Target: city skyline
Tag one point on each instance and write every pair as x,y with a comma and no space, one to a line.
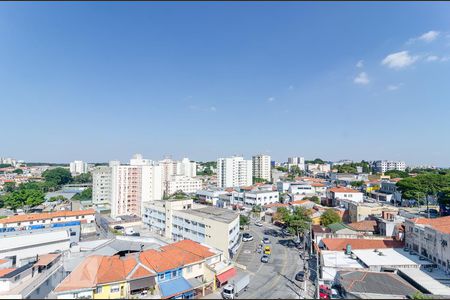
209,80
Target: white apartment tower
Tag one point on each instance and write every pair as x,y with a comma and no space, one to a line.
234,171
296,161
101,185
78,167
261,166
386,165
178,175
132,185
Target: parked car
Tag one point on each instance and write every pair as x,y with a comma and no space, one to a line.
335,294
324,291
265,258
118,227
267,250
266,240
258,223
246,237
300,276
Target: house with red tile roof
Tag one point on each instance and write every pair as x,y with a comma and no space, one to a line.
343,193
84,216
430,238
177,269
337,244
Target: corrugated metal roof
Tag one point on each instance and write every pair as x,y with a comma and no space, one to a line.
174,287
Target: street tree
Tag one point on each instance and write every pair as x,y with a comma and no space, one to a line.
330,216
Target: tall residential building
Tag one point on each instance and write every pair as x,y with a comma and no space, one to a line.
101,185
171,171
234,171
296,161
78,167
133,185
261,166
387,165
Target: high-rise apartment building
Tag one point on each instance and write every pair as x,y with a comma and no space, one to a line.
101,185
178,174
261,166
386,165
127,187
78,167
234,171
296,161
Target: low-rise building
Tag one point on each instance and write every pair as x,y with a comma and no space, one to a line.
343,193
184,269
431,239
184,219
209,196
83,216
361,284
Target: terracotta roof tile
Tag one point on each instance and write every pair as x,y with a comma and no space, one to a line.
3,272
365,225
45,216
141,272
340,244
342,189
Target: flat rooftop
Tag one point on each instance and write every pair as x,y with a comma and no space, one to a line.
214,213
390,257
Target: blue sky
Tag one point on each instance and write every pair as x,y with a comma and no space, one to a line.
101,81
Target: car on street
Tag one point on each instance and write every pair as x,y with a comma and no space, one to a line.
267,250
118,227
266,240
335,294
246,237
324,292
259,224
265,258
300,276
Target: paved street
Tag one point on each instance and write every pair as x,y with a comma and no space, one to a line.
276,279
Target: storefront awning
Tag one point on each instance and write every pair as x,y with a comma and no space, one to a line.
174,287
225,276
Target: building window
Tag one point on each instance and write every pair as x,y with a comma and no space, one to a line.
115,289
98,290
161,276
17,277
189,269
174,274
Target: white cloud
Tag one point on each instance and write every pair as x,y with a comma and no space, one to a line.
271,99
213,108
445,58
360,64
362,78
429,36
432,58
399,60
393,87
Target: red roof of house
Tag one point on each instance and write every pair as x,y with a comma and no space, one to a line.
441,224
340,244
365,225
44,216
341,189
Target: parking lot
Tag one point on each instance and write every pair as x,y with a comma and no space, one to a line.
275,279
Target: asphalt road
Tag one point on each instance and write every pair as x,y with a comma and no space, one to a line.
275,279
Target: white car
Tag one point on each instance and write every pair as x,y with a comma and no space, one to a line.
246,237
259,224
